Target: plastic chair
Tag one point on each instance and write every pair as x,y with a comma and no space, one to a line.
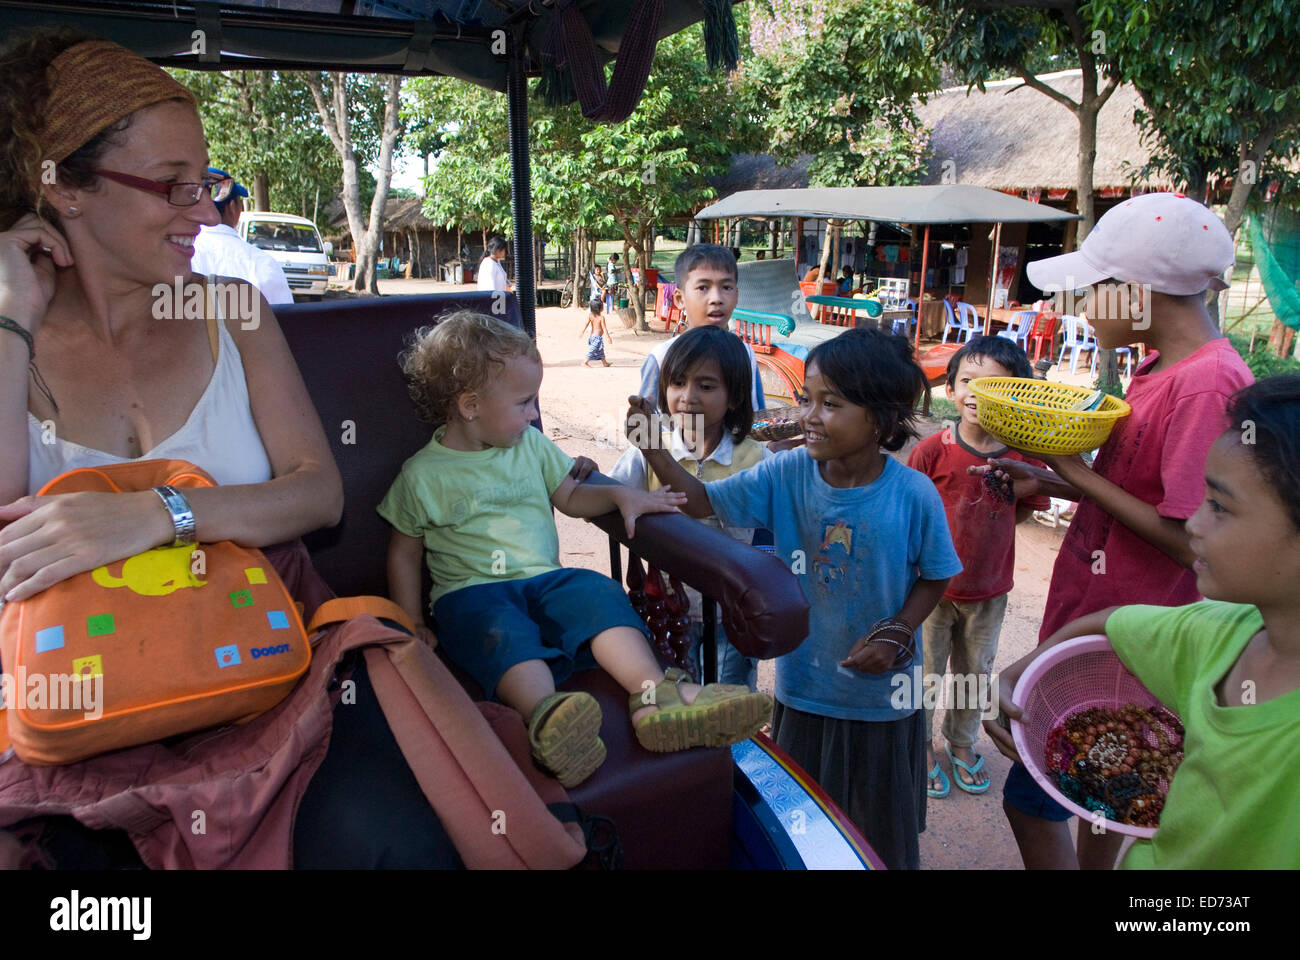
962,320
1042,335
1128,360
907,323
1018,330
1077,337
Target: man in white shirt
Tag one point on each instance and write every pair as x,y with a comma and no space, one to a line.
491,275
218,250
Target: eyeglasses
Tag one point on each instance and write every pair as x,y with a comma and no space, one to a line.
177,194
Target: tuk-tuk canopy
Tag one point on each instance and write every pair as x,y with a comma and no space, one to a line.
948,203
458,38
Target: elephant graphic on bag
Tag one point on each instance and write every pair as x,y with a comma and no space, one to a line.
154,573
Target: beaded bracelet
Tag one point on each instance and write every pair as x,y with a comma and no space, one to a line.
8,324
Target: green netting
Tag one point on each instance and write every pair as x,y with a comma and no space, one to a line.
1275,241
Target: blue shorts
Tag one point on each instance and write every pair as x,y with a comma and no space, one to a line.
1023,792
488,628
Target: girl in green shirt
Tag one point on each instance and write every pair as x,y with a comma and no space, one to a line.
1229,666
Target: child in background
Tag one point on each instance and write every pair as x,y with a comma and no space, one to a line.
704,385
867,538
706,294
982,519
846,281
475,504
1146,266
596,340
1228,666
597,281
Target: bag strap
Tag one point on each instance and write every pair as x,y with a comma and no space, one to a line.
345,608
212,321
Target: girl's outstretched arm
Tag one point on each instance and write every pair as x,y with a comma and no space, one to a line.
644,433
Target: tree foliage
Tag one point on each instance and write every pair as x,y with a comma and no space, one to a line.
262,127
1220,84
604,180
837,80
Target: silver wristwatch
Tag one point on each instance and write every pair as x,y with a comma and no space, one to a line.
182,515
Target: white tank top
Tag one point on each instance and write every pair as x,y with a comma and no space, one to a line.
219,436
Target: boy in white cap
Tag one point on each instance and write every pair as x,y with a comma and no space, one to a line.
1145,268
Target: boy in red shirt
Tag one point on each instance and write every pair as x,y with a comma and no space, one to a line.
982,516
1146,268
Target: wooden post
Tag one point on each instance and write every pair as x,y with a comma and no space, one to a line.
798,245
993,277
920,294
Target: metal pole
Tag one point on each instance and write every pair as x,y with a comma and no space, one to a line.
521,204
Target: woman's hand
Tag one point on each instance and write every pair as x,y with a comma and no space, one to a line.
46,540
30,251
425,636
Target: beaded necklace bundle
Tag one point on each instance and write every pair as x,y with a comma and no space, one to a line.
1116,762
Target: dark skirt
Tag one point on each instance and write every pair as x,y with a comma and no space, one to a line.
874,771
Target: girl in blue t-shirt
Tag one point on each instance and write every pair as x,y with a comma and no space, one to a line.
868,539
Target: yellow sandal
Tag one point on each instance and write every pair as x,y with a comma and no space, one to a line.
564,733
721,715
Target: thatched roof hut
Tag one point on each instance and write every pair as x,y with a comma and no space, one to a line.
1012,137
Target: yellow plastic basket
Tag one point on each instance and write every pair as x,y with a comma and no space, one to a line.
1037,417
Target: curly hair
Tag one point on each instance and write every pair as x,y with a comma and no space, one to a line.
458,355
24,93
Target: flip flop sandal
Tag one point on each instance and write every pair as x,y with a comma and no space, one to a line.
972,770
721,715
937,774
564,734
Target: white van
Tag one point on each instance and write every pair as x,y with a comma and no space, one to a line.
296,245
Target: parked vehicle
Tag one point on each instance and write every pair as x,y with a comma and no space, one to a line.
296,245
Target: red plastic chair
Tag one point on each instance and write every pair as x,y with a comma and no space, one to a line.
1043,334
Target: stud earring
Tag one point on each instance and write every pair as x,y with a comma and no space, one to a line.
73,212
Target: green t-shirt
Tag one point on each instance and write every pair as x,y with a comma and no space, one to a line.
485,515
1234,802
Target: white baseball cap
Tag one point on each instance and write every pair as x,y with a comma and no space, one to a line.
1166,241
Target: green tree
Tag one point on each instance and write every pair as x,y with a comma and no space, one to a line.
359,114
837,79
1220,83
461,128
984,39
588,181
262,128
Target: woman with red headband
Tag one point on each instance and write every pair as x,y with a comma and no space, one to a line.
104,184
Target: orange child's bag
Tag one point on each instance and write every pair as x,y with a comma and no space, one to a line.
168,641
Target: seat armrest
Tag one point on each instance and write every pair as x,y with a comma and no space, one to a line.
764,611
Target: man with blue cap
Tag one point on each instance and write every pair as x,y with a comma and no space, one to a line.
219,251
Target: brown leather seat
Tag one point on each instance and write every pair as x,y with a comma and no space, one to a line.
671,810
